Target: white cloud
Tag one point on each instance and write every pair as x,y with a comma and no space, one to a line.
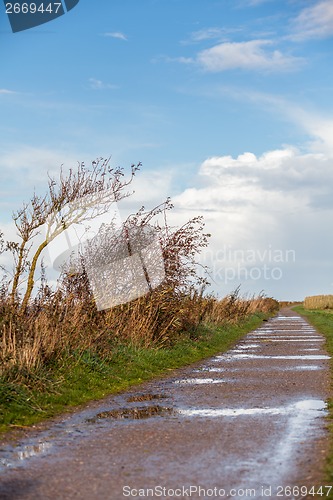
314,22
99,85
286,177
150,188
116,34
209,34
6,91
279,201
30,166
251,55
167,59
319,127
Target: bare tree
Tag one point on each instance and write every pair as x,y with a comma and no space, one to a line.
27,221
77,196
2,243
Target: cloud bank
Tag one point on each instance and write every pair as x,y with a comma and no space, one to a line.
275,207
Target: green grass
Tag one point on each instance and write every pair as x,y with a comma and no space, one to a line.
80,378
323,322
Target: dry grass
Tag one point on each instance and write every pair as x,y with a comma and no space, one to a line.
319,302
65,325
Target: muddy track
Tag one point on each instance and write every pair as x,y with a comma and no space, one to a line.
248,423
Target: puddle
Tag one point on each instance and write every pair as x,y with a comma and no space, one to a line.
291,318
294,330
137,413
311,404
288,336
25,452
210,369
247,346
145,397
284,333
228,412
289,330
271,368
301,407
301,338
236,351
297,431
278,339
215,370
303,368
200,381
301,412
257,356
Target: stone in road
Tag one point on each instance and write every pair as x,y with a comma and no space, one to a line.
247,423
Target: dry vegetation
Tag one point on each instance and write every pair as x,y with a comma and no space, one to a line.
64,326
319,302
39,330
288,303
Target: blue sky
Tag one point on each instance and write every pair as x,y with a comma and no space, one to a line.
227,103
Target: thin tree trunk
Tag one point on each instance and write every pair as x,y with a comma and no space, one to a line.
31,275
18,273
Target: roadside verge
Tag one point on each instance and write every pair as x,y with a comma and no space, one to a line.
323,322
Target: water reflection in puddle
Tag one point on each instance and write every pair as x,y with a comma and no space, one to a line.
305,406
228,412
288,336
210,369
231,357
279,339
247,346
137,413
200,381
24,452
213,369
304,368
311,404
298,335
294,318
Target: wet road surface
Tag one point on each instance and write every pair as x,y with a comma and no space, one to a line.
245,424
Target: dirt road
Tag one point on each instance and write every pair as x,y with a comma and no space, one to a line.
246,424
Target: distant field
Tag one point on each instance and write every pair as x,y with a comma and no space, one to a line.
319,302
